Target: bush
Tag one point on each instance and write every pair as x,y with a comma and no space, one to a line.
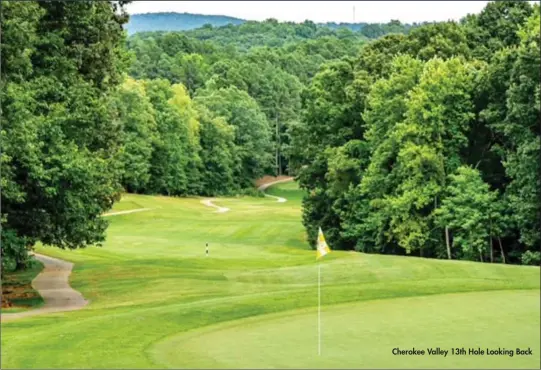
531,258
14,251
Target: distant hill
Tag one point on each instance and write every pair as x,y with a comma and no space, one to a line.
149,22
176,21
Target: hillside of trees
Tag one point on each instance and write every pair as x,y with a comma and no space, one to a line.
150,22
424,141
175,21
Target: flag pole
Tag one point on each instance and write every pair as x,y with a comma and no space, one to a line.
322,250
319,309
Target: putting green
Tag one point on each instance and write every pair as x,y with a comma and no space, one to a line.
363,335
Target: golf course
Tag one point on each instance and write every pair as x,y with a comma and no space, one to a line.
156,301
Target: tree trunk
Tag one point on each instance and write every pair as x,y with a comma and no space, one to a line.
501,249
490,243
481,255
278,165
20,265
447,242
491,250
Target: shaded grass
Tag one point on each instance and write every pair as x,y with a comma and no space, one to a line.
151,281
17,288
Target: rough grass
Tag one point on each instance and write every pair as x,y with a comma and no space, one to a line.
151,284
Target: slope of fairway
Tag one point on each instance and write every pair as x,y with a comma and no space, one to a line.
155,299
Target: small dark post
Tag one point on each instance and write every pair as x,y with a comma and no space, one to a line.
207,249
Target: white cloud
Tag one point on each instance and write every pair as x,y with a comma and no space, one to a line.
319,11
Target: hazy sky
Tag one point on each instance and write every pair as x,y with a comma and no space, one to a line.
319,11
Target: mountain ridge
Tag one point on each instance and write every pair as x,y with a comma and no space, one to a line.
174,21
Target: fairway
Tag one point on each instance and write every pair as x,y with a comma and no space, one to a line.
156,301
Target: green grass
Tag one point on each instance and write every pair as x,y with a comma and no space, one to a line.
127,204
350,330
157,301
20,282
288,190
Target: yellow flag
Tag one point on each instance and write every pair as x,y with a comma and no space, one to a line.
322,247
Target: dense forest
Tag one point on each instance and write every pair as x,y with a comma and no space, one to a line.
429,144
422,141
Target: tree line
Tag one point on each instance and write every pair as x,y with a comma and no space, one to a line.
428,143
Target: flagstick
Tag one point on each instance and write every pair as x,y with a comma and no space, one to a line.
319,310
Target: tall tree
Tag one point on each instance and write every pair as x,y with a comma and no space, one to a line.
522,131
252,130
59,163
137,117
386,107
217,154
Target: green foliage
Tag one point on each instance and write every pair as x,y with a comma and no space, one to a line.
331,117
531,258
252,132
386,107
136,115
273,72
417,108
175,162
443,40
217,154
468,209
496,27
60,167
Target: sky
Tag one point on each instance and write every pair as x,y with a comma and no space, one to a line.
319,11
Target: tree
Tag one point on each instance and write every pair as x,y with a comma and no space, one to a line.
59,161
522,130
175,162
511,113
496,27
217,154
386,107
191,70
468,209
443,40
252,131
136,115
424,147
332,116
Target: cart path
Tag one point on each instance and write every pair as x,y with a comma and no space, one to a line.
125,212
208,203
265,186
53,285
